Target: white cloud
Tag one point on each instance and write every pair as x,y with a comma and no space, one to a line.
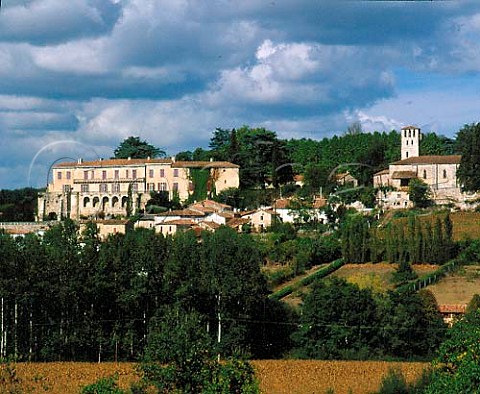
77,57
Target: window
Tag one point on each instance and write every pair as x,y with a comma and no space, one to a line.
175,186
444,174
92,176
413,132
150,173
424,174
59,175
135,187
85,175
162,173
104,175
103,187
116,188
117,174
66,188
127,174
134,174
162,186
406,154
69,174
151,187
84,188
175,172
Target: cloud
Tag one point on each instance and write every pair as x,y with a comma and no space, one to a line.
304,78
97,71
42,22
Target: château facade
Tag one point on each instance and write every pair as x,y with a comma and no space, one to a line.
438,172
86,189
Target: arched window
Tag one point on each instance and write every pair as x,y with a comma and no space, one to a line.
424,174
96,201
444,174
124,201
114,202
86,202
105,202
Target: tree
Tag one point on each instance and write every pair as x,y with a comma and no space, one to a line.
468,145
456,369
181,358
419,193
474,304
410,328
135,148
338,321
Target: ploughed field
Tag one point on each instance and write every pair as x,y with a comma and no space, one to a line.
275,376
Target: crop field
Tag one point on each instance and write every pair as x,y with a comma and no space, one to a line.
458,287
275,376
376,276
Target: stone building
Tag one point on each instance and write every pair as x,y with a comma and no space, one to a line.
438,172
86,189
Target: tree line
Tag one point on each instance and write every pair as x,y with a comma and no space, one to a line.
71,296
402,241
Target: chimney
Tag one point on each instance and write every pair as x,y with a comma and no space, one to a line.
80,160
173,159
211,159
101,158
148,158
129,158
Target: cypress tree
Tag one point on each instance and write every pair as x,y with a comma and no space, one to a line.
438,252
427,244
419,243
448,225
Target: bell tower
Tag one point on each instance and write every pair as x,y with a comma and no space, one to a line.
410,142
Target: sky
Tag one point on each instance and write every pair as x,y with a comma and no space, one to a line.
79,76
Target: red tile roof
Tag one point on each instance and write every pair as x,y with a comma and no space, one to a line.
113,162
383,172
236,222
137,162
450,159
178,222
453,308
182,212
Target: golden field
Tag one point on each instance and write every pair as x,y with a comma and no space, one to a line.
275,376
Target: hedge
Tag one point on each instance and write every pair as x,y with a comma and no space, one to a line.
321,273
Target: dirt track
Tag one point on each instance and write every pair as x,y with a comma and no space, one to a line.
275,376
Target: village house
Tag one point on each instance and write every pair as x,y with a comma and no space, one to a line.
109,227
439,173
452,312
119,187
260,219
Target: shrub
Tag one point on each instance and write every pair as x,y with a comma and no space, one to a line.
394,383
106,385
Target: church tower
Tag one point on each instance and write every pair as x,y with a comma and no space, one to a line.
410,142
